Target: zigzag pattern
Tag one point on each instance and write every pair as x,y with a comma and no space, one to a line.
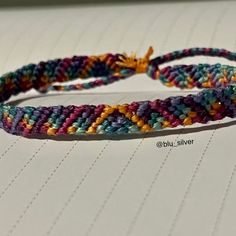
216,101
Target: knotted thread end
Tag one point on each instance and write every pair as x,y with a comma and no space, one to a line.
138,64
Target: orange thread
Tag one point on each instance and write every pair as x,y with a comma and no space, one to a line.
139,64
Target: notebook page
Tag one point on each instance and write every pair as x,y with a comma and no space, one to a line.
136,186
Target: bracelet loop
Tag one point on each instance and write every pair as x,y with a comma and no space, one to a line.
216,101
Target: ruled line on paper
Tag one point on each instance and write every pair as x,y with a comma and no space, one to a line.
77,187
202,156
50,176
108,25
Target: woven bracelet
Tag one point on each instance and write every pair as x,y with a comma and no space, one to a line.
216,101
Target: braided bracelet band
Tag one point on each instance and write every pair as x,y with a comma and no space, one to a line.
216,101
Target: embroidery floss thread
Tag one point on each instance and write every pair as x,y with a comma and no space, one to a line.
216,101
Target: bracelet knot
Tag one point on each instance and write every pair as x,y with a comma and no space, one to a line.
140,65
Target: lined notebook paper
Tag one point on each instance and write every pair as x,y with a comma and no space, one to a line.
110,187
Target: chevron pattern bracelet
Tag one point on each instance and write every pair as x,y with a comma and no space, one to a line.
216,101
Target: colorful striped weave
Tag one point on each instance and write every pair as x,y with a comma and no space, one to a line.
216,101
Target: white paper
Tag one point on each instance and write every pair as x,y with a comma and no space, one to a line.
118,187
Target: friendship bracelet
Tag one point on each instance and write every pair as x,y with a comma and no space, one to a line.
216,101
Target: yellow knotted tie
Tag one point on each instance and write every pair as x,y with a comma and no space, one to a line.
139,64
